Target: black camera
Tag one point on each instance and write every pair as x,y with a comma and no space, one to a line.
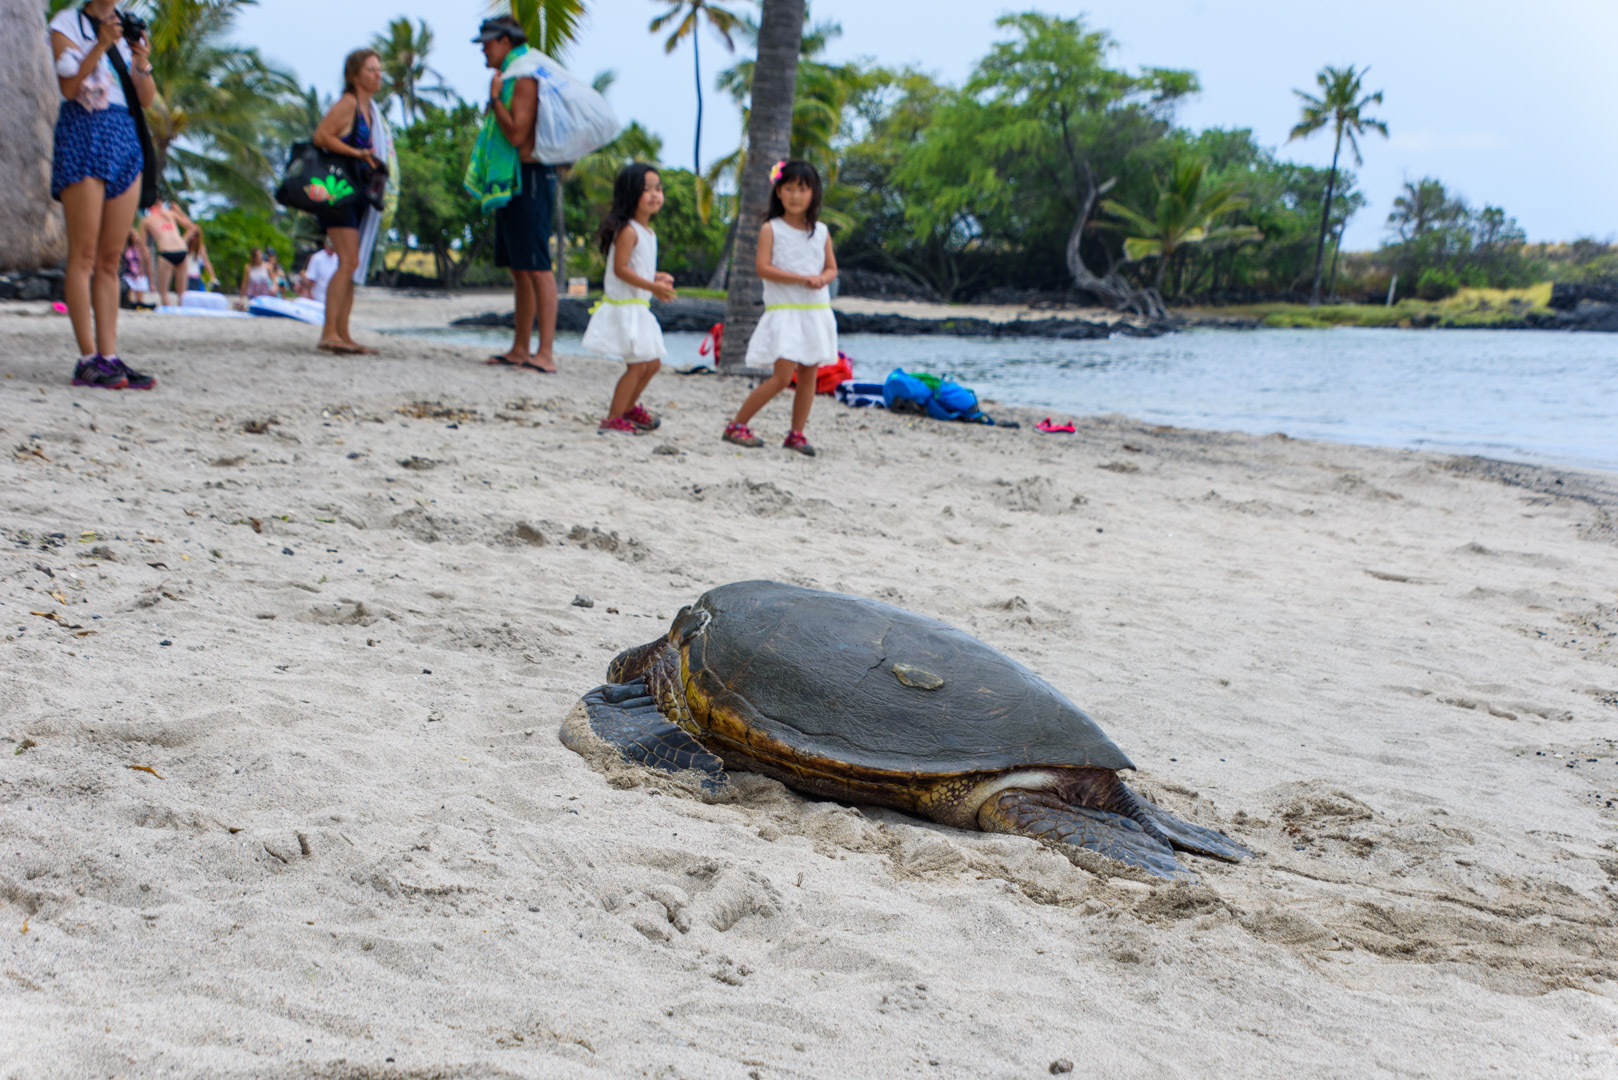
135,27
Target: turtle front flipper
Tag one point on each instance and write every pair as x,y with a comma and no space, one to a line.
626,715
1045,816
1193,838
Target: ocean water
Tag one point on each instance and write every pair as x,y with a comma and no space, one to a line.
1535,396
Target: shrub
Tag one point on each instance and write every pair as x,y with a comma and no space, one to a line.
1437,283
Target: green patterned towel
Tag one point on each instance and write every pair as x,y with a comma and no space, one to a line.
494,175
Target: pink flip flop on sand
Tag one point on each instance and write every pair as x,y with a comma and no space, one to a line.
1049,428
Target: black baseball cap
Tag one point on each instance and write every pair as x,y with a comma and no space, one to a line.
501,26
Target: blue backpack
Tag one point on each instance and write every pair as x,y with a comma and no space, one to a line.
903,392
952,401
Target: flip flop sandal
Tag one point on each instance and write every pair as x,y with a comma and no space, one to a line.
1049,428
536,367
501,361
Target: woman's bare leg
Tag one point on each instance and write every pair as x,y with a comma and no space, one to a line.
766,390
82,206
116,216
340,294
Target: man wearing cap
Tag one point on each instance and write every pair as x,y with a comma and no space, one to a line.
523,220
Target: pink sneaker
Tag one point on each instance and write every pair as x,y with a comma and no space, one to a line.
622,424
741,435
642,419
797,440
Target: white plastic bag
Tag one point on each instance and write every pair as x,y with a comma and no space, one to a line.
573,119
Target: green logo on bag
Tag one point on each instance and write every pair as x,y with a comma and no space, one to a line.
329,189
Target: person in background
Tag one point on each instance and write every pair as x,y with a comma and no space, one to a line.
198,264
169,230
353,128
318,273
506,176
256,280
137,271
278,273
96,167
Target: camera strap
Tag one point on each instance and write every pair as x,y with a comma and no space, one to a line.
143,133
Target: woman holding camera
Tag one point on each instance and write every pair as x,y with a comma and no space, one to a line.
95,174
353,128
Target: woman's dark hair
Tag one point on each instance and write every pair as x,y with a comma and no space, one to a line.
627,189
805,174
353,65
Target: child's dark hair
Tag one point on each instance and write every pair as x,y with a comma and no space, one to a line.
805,174
627,189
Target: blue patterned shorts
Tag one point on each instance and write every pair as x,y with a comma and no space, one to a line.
100,144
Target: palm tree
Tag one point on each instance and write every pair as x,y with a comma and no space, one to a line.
216,100
403,51
1184,214
552,25
690,14
31,231
769,134
1339,105
820,96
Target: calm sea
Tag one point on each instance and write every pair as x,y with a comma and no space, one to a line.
1535,396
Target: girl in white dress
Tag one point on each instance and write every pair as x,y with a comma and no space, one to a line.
798,332
622,324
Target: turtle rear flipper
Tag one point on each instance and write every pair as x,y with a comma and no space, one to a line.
1045,816
626,715
1193,838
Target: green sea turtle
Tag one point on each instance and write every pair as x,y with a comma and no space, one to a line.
863,702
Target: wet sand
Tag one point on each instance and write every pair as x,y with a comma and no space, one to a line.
281,793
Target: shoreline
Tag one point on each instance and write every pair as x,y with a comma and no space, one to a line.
297,804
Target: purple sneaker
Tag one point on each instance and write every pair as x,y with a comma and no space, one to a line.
99,372
137,381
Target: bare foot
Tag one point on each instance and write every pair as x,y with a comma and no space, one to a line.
356,347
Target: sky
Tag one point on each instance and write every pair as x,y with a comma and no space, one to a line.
1507,103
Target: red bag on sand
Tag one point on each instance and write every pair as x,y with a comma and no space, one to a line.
829,375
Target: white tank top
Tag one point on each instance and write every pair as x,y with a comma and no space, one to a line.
797,252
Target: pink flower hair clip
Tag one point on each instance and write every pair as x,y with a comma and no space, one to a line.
775,173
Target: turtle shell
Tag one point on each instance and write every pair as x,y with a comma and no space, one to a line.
852,680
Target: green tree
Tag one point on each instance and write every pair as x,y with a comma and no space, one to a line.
1340,105
552,25
687,17
1017,161
403,51
769,134
1284,200
1439,244
435,209
1183,214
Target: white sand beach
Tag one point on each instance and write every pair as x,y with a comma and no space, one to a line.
281,793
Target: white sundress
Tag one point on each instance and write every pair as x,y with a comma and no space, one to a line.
622,324
798,323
